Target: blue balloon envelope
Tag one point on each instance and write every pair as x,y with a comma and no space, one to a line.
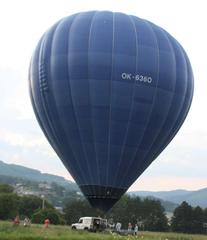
109,91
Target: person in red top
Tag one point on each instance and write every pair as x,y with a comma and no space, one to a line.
46,223
16,221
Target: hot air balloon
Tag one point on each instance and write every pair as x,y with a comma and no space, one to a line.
110,91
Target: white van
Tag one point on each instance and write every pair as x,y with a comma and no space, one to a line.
90,223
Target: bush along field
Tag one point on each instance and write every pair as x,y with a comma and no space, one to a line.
57,232
148,213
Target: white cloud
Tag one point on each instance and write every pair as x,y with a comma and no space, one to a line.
31,142
166,183
22,140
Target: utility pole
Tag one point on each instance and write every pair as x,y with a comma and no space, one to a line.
43,201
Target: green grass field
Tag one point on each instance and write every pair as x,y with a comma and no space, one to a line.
38,232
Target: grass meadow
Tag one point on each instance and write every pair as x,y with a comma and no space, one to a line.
38,232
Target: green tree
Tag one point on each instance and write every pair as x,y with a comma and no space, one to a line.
205,220
153,216
9,205
29,204
182,218
5,188
149,212
205,215
198,220
51,214
128,209
79,208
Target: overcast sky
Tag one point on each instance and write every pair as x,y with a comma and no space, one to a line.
184,162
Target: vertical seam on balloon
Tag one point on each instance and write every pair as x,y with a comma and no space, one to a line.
91,112
33,102
191,79
32,97
167,112
35,108
186,97
109,131
62,128
180,110
74,111
154,97
81,177
43,100
132,97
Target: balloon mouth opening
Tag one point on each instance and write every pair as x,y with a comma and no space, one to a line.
102,197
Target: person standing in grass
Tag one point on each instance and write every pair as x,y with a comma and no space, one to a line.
135,229
129,227
118,227
46,223
16,221
26,222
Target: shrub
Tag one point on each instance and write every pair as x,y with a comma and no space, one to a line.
51,214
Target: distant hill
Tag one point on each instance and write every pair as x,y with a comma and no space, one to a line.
194,198
17,171
166,195
12,173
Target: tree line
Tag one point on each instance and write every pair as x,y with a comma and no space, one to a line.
12,205
147,213
187,219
